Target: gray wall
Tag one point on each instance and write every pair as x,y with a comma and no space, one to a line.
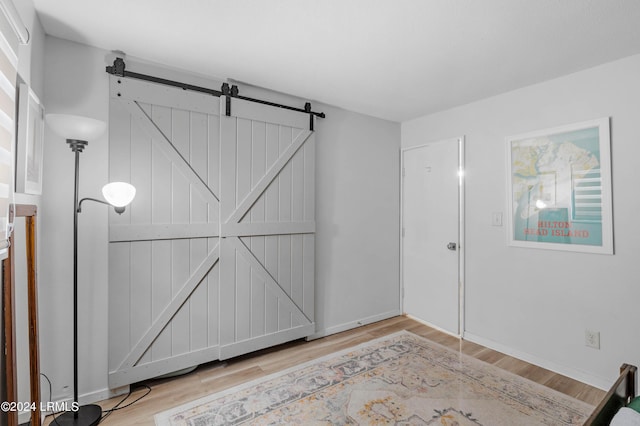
358,199
536,304
357,266
75,83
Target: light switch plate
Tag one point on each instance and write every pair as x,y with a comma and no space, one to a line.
496,218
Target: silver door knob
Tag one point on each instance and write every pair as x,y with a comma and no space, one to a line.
451,246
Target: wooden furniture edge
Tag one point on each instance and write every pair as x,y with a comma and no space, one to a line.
627,380
29,212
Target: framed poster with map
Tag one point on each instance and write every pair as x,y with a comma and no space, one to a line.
559,188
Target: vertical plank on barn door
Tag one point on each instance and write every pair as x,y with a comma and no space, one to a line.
213,181
161,168
257,215
180,252
164,249
271,199
198,147
140,212
119,253
264,288
284,241
243,188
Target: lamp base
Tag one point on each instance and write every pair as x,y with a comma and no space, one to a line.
88,415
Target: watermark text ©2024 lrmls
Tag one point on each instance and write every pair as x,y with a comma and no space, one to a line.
50,406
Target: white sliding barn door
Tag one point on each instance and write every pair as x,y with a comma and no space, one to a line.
215,256
164,250
267,228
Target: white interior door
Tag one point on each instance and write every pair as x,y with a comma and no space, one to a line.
431,240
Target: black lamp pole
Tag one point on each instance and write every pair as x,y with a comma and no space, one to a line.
86,415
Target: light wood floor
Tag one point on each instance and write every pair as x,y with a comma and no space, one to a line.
216,376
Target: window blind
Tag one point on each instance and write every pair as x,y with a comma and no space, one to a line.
8,76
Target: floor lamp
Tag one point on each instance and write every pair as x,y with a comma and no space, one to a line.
78,131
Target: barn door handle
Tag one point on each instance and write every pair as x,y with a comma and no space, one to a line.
451,246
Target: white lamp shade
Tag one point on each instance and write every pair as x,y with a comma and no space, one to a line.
119,194
75,126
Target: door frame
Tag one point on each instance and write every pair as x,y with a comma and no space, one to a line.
461,229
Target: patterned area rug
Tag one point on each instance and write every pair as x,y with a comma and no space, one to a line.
401,379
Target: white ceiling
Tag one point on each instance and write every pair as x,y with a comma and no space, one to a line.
394,59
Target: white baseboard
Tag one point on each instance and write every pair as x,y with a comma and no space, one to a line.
354,324
573,373
428,324
100,395
92,397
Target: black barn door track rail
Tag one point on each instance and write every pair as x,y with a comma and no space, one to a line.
118,69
